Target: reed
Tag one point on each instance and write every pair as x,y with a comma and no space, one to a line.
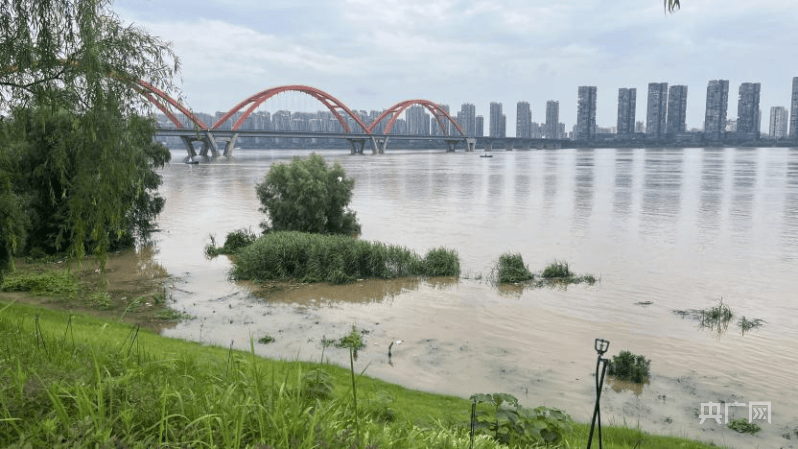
511,269
335,259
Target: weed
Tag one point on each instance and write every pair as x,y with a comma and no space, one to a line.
266,339
353,340
515,425
50,283
511,269
335,259
101,301
746,324
743,426
558,269
628,366
317,384
172,315
234,241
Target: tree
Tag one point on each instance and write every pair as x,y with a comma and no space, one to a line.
671,5
308,196
72,125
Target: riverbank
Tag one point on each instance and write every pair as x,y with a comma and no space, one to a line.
76,381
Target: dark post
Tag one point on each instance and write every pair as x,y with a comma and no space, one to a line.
601,347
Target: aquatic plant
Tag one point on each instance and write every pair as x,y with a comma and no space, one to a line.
266,339
235,240
742,425
335,259
746,324
510,268
557,269
50,283
628,366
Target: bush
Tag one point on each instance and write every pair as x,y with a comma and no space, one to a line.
511,269
628,366
308,196
517,426
60,284
233,242
557,269
336,259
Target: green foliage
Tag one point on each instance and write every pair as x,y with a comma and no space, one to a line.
441,262
353,340
317,384
628,366
517,426
266,339
51,283
308,196
233,242
746,324
335,259
79,156
511,269
557,269
743,426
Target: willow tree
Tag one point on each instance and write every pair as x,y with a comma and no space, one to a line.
71,125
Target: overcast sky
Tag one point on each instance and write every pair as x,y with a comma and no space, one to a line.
371,54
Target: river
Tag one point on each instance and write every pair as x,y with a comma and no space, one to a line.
664,229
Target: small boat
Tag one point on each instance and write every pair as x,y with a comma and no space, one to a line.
191,161
486,155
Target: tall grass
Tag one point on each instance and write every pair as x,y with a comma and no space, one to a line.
336,259
557,269
511,269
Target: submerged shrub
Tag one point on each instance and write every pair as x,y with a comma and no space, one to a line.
511,268
557,269
335,259
441,262
234,241
628,366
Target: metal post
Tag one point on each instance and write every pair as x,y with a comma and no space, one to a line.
601,347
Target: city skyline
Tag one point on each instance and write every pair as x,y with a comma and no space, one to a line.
372,55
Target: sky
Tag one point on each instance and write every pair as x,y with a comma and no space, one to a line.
372,54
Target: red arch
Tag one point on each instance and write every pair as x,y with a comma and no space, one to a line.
332,103
439,113
150,92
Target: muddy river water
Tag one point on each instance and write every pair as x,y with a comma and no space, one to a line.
663,229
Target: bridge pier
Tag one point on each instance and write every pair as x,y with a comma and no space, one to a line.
357,145
489,145
451,145
508,145
379,144
229,144
187,142
470,144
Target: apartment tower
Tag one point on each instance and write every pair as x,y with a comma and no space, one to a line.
677,110
552,120
656,117
748,108
717,104
586,113
626,110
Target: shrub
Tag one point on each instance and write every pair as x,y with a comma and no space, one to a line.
441,262
743,426
510,268
317,384
517,426
628,366
557,269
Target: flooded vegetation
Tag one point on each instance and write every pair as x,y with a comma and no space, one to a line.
663,230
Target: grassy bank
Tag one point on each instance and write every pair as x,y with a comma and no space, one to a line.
78,381
336,259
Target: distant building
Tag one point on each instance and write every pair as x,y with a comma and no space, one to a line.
523,120
417,121
495,119
503,126
794,110
717,104
656,117
586,113
748,109
552,119
479,126
469,123
677,110
626,110
778,122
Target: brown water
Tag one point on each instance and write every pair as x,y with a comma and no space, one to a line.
681,228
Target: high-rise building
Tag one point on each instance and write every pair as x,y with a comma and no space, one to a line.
748,108
523,120
778,122
626,110
495,119
656,117
417,121
469,114
503,126
717,104
552,119
677,110
794,109
586,113
479,126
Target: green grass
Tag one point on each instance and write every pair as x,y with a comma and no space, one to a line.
510,268
235,240
60,284
557,269
77,381
742,425
335,259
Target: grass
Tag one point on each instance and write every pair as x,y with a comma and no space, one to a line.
510,269
79,381
335,259
234,241
742,425
60,284
718,317
557,270
628,366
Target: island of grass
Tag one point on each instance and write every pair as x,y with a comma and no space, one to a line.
337,259
103,384
510,269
